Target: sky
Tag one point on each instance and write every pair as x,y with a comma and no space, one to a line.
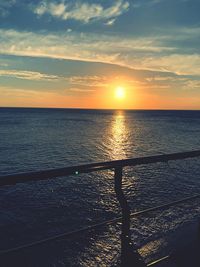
76,53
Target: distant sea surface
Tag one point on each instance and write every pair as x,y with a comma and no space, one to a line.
40,139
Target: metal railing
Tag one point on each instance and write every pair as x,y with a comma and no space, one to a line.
129,256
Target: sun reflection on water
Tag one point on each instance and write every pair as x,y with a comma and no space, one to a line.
118,136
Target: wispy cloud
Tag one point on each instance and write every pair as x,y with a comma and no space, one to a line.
157,53
81,11
89,81
28,75
149,3
81,90
191,85
181,64
102,48
110,22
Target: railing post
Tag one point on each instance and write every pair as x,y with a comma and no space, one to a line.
129,255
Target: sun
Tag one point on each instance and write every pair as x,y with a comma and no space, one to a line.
120,92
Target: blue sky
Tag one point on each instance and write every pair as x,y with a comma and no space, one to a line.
71,51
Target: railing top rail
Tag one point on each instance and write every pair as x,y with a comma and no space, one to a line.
87,168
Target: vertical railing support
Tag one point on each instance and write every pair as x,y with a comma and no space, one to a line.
129,255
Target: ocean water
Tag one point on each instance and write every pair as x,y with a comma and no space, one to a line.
37,139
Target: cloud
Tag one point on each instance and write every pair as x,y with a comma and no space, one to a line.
110,22
3,64
149,3
82,11
28,75
150,81
80,90
181,64
157,53
91,81
94,47
191,85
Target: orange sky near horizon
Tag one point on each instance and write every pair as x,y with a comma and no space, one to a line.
136,98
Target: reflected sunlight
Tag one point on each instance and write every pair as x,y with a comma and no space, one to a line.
118,136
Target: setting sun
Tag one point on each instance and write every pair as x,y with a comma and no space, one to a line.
120,92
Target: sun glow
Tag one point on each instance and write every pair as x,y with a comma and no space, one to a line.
120,92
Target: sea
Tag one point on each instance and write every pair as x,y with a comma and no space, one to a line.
35,139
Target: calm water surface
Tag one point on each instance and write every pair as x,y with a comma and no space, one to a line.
36,139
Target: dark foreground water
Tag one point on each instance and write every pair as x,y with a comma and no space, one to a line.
36,139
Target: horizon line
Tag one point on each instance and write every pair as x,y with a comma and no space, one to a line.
111,109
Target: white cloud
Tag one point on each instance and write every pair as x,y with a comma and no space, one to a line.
82,11
181,64
138,53
51,8
49,45
27,75
110,22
